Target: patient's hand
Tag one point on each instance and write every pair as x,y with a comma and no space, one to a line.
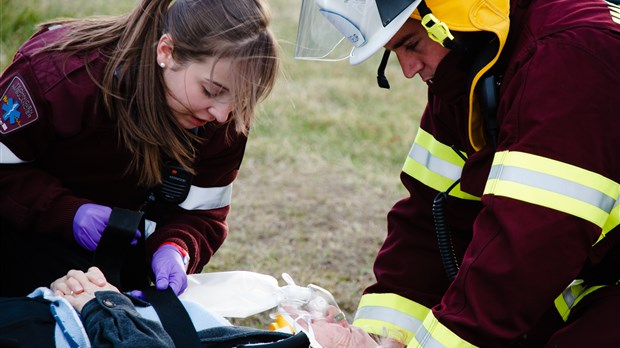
78,287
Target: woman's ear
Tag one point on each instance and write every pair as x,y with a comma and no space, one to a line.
164,51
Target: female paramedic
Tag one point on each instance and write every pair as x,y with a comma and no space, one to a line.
101,113
510,234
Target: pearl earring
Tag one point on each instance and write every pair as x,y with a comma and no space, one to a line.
162,64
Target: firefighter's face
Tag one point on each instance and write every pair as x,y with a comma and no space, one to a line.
416,52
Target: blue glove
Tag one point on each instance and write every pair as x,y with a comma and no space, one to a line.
89,222
169,269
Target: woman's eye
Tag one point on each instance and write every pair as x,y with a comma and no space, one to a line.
208,93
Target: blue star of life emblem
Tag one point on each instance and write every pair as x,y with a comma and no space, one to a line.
10,111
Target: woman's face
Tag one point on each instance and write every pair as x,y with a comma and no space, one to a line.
197,92
416,52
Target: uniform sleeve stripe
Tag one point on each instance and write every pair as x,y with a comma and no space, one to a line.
8,157
434,334
390,315
612,221
553,184
385,320
205,198
435,165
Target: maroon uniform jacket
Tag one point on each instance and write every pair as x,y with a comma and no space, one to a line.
61,150
519,248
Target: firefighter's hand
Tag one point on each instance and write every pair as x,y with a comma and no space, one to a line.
169,269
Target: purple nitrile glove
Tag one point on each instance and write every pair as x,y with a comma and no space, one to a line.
89,222
169,269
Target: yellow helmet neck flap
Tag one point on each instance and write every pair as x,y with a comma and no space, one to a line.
474,16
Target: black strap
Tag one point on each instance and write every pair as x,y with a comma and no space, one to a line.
382,81
116,241
173,317
111,256
300,340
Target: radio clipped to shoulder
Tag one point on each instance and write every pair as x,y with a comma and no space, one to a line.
175,186
176,182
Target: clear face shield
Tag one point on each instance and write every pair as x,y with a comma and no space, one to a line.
331,30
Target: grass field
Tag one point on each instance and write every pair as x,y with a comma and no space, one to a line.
322,165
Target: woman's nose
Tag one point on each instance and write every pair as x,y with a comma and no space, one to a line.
219,112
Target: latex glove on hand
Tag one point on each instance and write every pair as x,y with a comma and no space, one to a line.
169,269
89,222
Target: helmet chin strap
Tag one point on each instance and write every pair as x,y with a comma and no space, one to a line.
381,79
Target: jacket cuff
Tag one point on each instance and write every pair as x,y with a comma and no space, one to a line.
109,301
60,215
432,333
390,315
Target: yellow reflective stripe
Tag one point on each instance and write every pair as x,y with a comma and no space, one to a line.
433,334
435,165
553,184
390,315
569,298
612,222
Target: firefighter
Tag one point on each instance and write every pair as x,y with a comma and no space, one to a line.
509,236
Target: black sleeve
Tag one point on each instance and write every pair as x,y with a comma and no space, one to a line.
111,320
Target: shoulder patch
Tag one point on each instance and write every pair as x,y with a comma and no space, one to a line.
18,109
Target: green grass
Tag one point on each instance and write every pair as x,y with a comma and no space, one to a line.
322,165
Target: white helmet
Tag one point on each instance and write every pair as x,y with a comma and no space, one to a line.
367,24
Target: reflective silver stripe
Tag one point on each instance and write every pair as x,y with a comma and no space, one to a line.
434,163
569,297
614,11
426,340
8,157
204,198
554,184
389,315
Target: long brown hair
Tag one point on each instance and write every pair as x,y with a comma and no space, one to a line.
133,88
